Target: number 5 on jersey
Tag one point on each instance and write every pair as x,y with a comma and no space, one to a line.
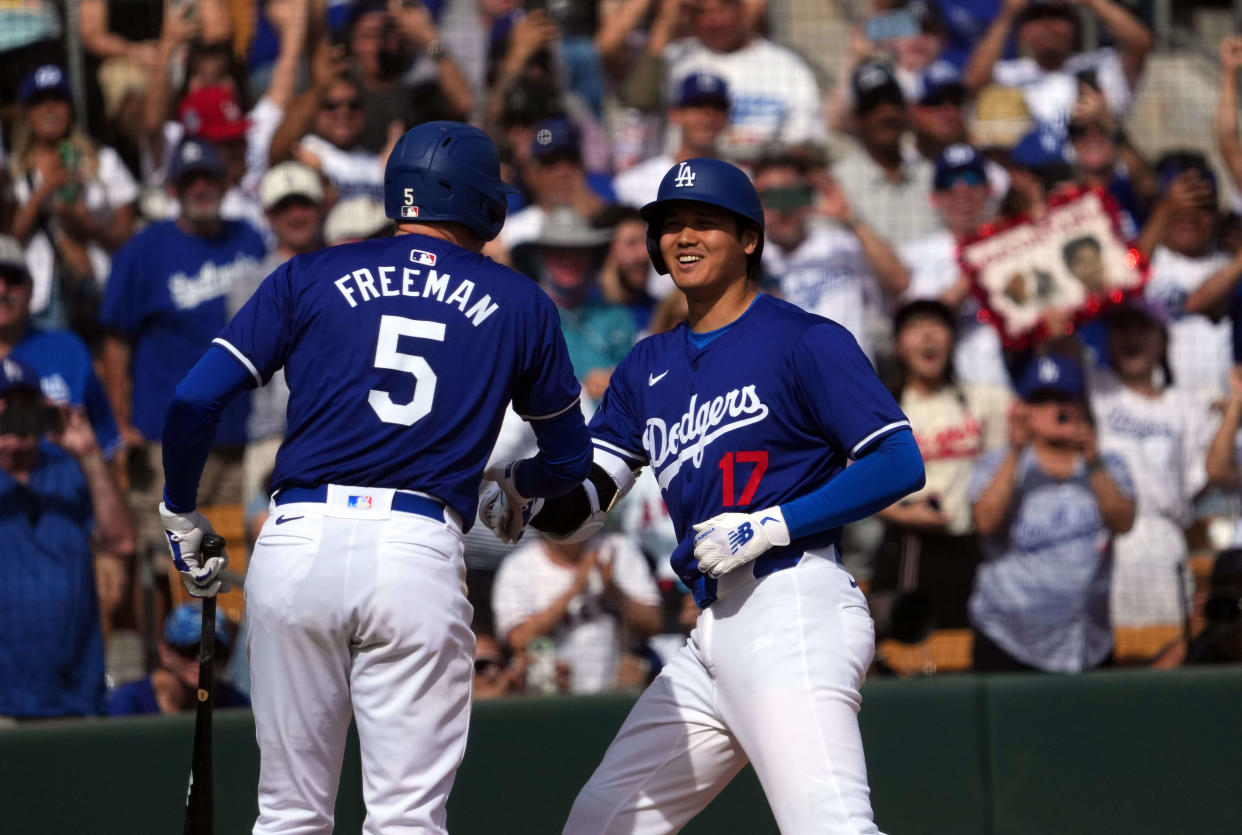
392,328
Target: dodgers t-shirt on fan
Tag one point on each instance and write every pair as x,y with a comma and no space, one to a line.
401,356
767,412
168,292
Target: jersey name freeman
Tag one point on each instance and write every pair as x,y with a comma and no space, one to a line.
363,285
702,423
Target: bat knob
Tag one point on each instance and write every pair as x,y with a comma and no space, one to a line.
212,545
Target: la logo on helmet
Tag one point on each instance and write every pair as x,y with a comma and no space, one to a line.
685,176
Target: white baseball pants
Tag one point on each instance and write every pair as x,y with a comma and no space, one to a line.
770,674
363,613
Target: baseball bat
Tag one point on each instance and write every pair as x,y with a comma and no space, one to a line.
200,809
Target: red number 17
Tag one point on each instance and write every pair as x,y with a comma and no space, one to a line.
759,458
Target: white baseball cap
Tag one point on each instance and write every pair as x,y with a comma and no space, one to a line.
288,179
12,255
355,218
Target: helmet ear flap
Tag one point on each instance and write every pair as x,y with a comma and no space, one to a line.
657,258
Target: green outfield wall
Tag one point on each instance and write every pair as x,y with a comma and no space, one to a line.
1114,752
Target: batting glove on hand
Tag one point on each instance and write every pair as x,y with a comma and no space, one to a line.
729,540
504,510
185,532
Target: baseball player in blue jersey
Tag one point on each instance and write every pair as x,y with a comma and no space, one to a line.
401,357
748,417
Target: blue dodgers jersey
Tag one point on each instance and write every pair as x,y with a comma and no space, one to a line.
68,376
168,292
402,356
765,413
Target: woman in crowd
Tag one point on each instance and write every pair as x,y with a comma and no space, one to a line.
1046,508
75,201
1161,433
929,543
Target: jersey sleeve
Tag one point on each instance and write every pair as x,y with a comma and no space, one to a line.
260,334
616,429
841,390
547,387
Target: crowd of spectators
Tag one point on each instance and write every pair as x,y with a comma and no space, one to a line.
207,142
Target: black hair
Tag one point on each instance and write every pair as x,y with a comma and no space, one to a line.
1071,249
778,159
898,376
235,68
615,214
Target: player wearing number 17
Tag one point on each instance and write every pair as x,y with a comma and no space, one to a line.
747,416
401,357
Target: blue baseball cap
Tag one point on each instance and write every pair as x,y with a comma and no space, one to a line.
1053,373
48,78
182,628
556,135
194,155
959,162
703,89
939,81
17,374
1040,147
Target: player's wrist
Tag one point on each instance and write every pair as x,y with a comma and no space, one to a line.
772,522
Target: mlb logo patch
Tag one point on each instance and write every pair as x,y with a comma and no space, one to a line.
409,211
359,502
420,256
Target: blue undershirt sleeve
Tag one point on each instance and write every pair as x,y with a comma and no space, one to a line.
564,458
190,426
892,469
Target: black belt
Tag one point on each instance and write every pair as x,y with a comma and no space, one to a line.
404,502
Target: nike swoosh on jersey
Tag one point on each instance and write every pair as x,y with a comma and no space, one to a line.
652,379
280,520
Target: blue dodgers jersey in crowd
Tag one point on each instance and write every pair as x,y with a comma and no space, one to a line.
765,413
168,291
67,376
51,645
402,356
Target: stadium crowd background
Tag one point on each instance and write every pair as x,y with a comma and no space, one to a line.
158,160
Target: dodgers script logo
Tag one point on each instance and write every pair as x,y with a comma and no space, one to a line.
702,423
685,176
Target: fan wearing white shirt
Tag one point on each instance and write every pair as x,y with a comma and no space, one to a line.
700,112
961,196
1161,434
582,595
775,98
1180,236
332,109
842,270
1048,70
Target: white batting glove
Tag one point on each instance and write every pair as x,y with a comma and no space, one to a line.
730,540
504,510
185,533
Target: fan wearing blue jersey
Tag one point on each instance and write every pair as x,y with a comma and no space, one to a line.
748,416
402,356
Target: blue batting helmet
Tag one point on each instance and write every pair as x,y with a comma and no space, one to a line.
702,180
442,171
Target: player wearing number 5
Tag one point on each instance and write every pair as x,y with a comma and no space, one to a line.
747,416
401,357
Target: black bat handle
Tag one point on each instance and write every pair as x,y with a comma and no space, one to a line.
200,798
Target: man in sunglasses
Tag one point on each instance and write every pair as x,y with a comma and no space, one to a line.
166,299
1046,509
820,254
